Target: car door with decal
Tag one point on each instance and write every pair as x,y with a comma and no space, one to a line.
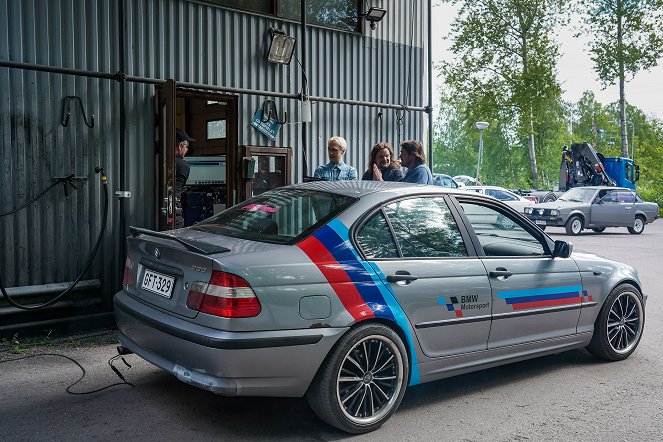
422,257
534,296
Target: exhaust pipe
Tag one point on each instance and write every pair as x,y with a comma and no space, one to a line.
122,350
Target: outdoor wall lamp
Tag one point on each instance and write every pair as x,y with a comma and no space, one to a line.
281,47
374,15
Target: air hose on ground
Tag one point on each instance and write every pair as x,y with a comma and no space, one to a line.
65,180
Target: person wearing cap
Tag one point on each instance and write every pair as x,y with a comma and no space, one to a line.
336,169
413,158
182,169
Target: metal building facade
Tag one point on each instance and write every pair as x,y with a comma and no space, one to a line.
187,41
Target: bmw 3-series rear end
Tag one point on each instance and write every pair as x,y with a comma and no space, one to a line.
230,304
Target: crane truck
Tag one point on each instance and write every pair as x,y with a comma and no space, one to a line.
582,165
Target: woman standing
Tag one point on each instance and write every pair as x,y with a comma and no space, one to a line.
383,166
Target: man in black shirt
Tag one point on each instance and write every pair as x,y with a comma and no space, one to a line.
181,173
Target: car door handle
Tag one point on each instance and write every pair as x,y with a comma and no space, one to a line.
401,277
500,272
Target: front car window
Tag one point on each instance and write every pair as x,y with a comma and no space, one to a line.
282,215
499,233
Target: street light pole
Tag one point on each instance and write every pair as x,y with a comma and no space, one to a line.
632,139
481,125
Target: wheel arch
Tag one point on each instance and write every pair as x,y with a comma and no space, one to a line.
580,215
411,345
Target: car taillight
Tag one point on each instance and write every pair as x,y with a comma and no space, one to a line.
225,295
129,274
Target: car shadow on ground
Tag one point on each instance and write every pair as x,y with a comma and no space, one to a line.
291,418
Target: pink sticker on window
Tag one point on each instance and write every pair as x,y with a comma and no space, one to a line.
261,207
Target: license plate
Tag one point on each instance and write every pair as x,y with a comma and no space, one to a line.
158,283
540,222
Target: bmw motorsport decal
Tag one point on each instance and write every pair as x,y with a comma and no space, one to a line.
357,284
545,297
457,304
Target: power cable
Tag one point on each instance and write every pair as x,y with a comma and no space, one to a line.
68,390
104,182
67,180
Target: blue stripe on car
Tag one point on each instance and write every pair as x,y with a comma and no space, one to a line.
380,295
522,299
539,292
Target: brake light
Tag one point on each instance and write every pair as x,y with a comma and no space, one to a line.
225,295
129,274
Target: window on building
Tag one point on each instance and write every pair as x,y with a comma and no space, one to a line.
337,14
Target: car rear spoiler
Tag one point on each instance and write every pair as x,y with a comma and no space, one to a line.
194,246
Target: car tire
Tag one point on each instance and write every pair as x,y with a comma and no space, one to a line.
549,197
638,226
618,327
598,229
339,390
574,225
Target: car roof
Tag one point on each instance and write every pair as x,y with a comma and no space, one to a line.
360,188
602,187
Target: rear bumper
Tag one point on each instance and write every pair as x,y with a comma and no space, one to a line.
266,363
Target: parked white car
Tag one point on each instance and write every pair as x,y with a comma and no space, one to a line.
517,202
511,199
467,180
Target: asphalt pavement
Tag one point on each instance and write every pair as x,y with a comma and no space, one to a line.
571,396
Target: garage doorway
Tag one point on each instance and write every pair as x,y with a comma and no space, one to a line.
211,119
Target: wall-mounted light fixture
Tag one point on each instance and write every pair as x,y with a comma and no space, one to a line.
281,47
374,15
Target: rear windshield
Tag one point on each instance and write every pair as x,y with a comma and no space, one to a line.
283,215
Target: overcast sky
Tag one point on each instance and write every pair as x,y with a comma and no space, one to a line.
575,71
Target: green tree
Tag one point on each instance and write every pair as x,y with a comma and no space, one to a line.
626,37
505,60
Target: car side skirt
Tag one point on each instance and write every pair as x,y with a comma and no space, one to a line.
448,366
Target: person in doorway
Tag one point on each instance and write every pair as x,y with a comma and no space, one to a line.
336,169
383,165
182,169
414,159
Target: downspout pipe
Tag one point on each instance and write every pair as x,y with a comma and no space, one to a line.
304,93
123,134
429,109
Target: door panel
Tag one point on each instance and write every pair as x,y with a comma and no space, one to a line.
444,292
533,295
541,299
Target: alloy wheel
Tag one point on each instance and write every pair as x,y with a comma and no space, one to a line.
370,379
625,321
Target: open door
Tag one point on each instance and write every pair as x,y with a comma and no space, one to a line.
165,157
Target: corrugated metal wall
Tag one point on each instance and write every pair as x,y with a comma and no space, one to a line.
187,41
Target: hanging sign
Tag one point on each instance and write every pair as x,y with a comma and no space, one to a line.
270,127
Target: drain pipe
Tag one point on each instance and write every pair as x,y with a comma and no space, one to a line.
123,135
430,84
305,103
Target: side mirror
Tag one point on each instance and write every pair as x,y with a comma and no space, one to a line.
562,249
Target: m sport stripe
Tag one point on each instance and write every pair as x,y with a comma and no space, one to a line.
544,297
357,284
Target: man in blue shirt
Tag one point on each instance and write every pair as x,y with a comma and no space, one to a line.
336,169
414,158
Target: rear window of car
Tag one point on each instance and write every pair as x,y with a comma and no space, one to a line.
283,215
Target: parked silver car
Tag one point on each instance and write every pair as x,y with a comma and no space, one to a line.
348,292
595,208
